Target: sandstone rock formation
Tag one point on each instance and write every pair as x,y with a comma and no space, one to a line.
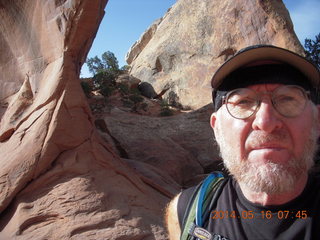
185,47
181,146
138,46
60,179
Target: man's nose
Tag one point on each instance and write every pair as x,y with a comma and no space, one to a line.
266,118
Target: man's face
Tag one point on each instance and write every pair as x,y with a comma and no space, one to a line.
267,152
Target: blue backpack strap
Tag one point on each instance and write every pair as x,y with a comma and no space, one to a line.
199,206
207,187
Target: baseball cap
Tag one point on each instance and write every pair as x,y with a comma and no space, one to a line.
259,55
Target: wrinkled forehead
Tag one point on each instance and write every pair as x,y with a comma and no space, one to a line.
265,87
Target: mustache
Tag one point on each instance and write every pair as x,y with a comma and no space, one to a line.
259,138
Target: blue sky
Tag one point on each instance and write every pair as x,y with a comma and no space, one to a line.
126,20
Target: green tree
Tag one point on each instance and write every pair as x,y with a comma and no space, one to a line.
94,64
108,62
312,49
105,71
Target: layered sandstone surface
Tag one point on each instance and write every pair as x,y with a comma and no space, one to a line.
60,178
183,49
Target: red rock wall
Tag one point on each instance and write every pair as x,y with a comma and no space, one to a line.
195,37
58,179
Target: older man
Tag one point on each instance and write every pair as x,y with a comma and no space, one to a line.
266,123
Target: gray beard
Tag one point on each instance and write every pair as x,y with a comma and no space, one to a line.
271,178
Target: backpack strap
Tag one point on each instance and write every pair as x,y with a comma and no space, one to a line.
185,201
203,199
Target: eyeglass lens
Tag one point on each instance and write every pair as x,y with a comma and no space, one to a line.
288,100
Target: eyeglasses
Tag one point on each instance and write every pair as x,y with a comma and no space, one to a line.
287,100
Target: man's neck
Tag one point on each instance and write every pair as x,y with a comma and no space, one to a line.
266,199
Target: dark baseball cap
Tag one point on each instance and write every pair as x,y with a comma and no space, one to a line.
265,54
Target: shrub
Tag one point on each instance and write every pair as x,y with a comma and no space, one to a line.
136,98
124,89
86,88
107,90
165,112
103,78
127,103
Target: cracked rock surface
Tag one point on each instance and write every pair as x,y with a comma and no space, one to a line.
58,178
184,48
62,179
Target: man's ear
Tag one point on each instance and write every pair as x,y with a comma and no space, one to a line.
213,120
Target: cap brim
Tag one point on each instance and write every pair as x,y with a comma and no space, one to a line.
266,53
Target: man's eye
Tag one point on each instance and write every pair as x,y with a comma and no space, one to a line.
245,102
285,99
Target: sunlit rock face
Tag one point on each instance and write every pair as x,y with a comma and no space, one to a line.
184,48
